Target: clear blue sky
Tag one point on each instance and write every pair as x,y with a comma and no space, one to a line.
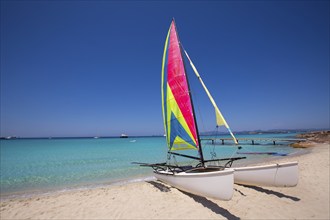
90,68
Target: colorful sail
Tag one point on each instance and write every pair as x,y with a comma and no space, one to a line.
220,120
179,122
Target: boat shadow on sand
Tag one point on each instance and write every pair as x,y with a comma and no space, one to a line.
162,187
200,199
271,192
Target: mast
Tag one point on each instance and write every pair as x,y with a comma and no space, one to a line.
192,103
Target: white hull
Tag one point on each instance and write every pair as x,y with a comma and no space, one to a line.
218,184
283,174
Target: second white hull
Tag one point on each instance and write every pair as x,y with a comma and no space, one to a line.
280,175
217,184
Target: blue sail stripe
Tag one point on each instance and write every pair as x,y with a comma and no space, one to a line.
177,130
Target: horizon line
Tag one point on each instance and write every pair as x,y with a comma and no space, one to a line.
206,133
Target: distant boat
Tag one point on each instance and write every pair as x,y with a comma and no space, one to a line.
123,136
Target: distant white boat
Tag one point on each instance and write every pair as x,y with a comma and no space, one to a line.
123,136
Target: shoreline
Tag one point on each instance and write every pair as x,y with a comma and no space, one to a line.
28,193
45,183
54,191
122,182
149,199
118,182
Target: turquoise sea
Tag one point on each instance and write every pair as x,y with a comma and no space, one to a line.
40,165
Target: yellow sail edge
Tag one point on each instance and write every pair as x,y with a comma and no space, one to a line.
220,120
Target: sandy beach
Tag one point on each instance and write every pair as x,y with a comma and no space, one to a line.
155,200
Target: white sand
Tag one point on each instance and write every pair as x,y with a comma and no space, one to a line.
154,200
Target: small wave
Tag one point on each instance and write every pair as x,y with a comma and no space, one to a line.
49,192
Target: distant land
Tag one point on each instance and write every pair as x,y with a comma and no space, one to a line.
276,131
206,133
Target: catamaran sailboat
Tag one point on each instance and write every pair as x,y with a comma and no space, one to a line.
181,132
